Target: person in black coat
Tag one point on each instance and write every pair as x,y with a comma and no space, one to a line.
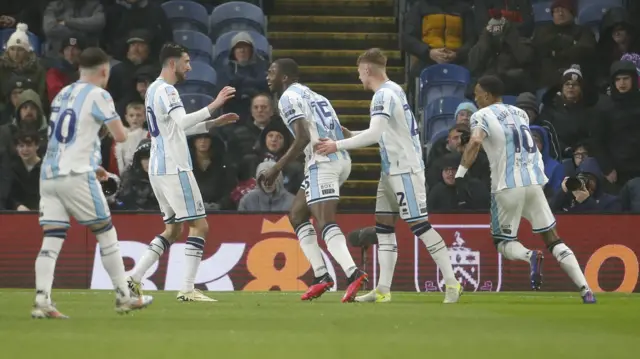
445,197
136,192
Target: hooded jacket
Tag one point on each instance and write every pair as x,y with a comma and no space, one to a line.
257,200
136,192
599,201
42,124
607,50
552,168
617,131
217,180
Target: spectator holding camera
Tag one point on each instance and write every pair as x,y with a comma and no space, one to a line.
584,193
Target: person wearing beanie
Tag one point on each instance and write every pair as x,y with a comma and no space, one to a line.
19,59
65,70
572,112
122,82
617,132
464,112
563,43
619,37
64,18
517,12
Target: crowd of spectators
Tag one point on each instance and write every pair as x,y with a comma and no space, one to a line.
131,31
579,88
578,84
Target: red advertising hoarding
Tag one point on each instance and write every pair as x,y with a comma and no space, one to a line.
260,252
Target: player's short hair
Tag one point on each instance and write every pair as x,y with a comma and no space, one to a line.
492,84
288,67
373,56
171,50
92,57
135,106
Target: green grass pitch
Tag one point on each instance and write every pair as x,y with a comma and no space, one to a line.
278,325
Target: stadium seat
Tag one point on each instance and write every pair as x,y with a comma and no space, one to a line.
439,115
33,40
201,79
223,47
199,45
442,80
440,134
542,12
236,15
195,101
509,100
606,4
591,16
187,15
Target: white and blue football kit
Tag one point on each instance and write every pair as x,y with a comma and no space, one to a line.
323,174
170,168
68,183
517,171
402,182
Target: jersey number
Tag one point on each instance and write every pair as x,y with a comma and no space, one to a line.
322,109
526,143
152,122
64,129
414,125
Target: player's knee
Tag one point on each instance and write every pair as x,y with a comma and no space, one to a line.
55,232
101,227
172,232
199,227
297,219
419,228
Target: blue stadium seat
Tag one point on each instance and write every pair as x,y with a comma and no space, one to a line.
509,100
440,134
591,14
542,12
201,79
236,15
33,40
606,4
223,47
199,45
439,115
187,15
442,80
195,101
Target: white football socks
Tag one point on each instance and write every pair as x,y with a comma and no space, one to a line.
156,248
569,263
515,251
112,259
387,258
193,256
438,250
309,243
337,246
46,263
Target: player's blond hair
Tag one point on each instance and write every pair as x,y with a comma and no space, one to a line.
374,57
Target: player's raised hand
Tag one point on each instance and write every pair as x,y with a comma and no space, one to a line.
326,146
225,95
225,119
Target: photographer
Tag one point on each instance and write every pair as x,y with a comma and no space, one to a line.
584,193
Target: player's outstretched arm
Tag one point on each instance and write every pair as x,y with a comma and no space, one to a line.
186,121
118,132
365,138
204,127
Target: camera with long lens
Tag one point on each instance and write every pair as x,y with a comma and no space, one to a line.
576,183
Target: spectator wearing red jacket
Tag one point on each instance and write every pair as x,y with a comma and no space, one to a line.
65,70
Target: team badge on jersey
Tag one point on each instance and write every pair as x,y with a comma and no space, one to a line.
173,96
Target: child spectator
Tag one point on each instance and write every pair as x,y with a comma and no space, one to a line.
126,150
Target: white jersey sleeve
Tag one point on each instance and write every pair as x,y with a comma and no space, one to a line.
103,108
292,107
381,104
170,98
479,120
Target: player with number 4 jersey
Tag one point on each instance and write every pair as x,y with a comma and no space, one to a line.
401,190
309,116
517,181
70,181
171,171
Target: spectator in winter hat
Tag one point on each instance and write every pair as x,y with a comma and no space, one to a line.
122,84
19,59
618,36
65,70
444,197
14,87
572,112
562,43
617,131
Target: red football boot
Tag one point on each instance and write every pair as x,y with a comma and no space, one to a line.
319,286
355,283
